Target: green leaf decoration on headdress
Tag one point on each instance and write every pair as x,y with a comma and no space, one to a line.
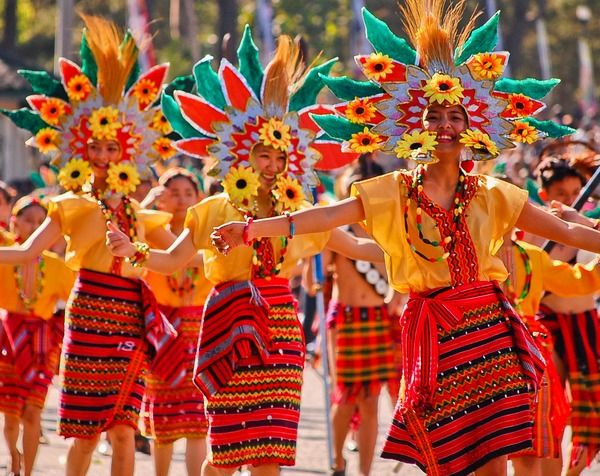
336,126
306,94
136,71
550,128
207,82
172,112
534,88
249,62
25,119
43,82
88,63
347,89
384,41
481,40
182,83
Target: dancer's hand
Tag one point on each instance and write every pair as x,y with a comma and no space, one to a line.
228,236
118,242
569,214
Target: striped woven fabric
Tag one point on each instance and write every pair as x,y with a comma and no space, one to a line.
485,378
30,348
171,412
253,419
364,357
576,340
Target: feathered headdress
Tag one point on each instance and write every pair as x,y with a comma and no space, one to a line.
106,99
237,108
445,65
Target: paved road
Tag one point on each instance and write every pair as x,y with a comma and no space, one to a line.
312,448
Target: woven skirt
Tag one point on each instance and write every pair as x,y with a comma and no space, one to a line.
254,418
104,358
174,412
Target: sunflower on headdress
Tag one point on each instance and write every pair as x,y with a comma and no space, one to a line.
276,134
123,177
104,123
443,88
75,174
360,111
289,193
161,123
46,140
415,143
52,110
145,91
486,66
377,66
523,132
365,141
241,184
479,142
79,87
520,105
164,147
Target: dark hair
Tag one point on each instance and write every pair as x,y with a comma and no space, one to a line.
555,169
179,172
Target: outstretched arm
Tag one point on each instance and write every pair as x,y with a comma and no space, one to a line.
542,223
352,247
41,239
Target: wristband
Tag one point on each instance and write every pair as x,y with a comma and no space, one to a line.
141,255
290,219
246,230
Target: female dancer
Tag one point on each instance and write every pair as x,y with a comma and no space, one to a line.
470,368
105,136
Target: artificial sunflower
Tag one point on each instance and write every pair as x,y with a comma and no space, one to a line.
486,66
377,66
415,143
145,91
79,87
443,88
365,141
520,106
241,184
523,132
479,142
289,193
276,134
360,111
52,110
164,147
161,123
46,140
123,177
104,123
75,174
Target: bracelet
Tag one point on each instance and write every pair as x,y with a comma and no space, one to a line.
246,230
141,255
290,219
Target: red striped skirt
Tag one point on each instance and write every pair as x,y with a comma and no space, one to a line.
364,357
577,342
484,376
253,419
174,412
104,355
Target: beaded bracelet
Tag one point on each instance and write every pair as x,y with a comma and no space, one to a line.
290,219
141,255
246,230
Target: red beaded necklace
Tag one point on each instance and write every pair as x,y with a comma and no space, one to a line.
183,287
29,302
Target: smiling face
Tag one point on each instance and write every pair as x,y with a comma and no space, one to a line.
101,153
268,164
448,122
180,194
28,220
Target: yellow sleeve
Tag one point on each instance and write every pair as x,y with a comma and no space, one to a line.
69,209
204,216
152,219
506,201
564,280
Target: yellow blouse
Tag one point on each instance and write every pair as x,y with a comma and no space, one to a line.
81,221
236,266
493,208
166,296
555,276
57,283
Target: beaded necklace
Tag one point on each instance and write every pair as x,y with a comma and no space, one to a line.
128,221
30,302
416,189
512,295
187,285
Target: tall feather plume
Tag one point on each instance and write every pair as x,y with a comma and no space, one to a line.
282,75
115,61
433,27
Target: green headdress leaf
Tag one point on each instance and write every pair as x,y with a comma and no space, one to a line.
249,62
336,126
207,82
481,40
347,89
44,83
306,94
533,88
25,119
88,63
550,128
171,110
384,41
181,83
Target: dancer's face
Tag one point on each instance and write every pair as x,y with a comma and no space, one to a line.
29,220
101,153
180,194
448,122
564,191
268,163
